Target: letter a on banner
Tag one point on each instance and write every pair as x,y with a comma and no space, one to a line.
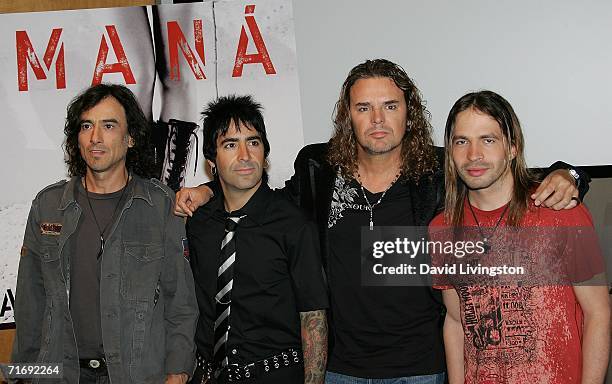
26,54
121,65
261,56
177,39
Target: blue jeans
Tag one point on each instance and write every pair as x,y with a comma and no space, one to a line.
336,378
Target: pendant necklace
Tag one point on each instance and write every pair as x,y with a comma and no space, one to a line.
102,231
485,239
371,206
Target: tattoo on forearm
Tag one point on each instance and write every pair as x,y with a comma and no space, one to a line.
314,345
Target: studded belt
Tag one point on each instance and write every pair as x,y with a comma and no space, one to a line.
236,372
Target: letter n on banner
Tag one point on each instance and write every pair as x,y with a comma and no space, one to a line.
177,39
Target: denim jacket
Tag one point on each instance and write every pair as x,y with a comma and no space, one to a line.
147,304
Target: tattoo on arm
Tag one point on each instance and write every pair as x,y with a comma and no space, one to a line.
314,345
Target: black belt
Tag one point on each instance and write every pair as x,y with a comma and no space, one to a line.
236,372
94,365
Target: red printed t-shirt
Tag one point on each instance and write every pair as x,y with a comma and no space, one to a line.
517,334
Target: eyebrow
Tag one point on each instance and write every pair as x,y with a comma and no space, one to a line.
235,140
487,136
366,103
104,121
229,140
391,102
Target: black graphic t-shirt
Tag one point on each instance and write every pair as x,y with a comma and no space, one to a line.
379,332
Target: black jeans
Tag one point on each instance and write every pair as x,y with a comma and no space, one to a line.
89,376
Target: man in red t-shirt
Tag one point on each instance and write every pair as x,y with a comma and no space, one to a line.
521,330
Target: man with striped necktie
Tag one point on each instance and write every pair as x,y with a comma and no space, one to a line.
256,263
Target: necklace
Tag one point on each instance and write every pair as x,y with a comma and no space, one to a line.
485,239
101,231
371,206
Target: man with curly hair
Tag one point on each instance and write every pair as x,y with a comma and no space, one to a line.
104,284
380,168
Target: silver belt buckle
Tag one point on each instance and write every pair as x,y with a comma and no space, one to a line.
94,363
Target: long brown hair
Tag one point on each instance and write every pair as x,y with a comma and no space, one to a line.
498,108
418,155
139,158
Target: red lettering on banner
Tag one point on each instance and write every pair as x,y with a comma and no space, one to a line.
121,65
26,54
177,39
261,56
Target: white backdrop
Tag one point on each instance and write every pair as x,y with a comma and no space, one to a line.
552,59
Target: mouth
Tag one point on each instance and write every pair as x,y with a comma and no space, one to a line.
475,172
245,171
378,134
96,152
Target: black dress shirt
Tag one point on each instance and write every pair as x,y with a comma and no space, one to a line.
277,274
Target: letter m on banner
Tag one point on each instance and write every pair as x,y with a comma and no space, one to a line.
26,54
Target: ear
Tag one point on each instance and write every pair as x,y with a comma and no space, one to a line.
130,142
211,164
512,151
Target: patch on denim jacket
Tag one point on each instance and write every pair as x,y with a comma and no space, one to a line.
185,249
53,229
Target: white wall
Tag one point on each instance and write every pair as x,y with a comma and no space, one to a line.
551,59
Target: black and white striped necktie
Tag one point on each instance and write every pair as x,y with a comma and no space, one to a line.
223,298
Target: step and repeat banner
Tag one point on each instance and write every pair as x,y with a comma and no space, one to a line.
176,58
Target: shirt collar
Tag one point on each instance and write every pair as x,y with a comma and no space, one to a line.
136,189
255,209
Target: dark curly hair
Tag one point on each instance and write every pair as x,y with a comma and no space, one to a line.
139,158
418,155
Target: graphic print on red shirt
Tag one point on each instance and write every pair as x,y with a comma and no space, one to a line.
522,333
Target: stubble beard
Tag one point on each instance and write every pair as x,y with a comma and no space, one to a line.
379,151
477,185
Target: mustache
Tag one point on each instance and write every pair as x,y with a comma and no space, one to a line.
384,128
478,164
97,148
247,164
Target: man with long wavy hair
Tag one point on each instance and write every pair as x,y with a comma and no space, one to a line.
104,287
380,168
542,326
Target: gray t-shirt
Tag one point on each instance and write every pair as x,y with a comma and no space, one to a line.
85,267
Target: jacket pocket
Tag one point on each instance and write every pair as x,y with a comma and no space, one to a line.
141,267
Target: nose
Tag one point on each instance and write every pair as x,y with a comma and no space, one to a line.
96,135
378,117
243,152
474,152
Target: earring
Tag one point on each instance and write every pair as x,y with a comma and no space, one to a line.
213,170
